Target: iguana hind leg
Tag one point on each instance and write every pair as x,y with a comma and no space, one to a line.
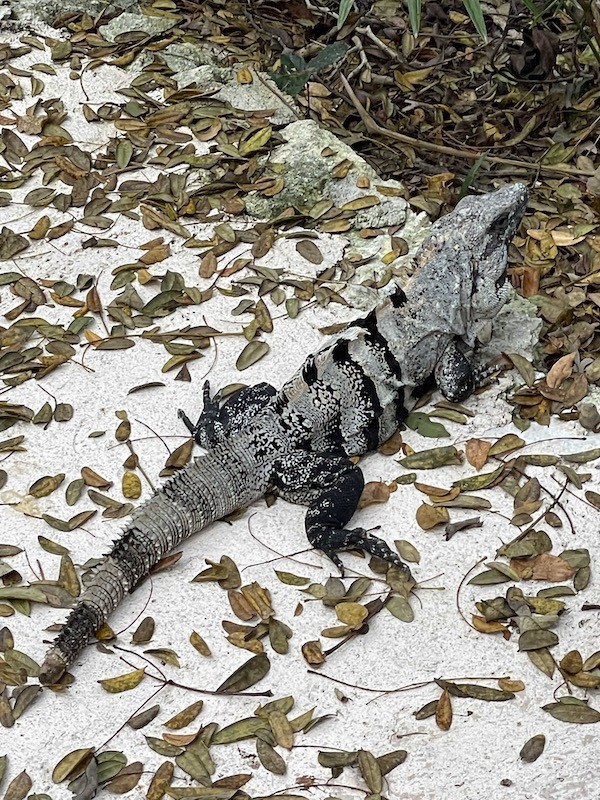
217,422
331,486
240,407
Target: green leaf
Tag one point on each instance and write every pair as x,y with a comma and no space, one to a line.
469,178
400,608
71,763
164,654
328,56
420,422
31,593
487,693
475,13
533,748
536,639
240,730
414,16
290,579
344,10
252,353
433,458
270,758
568,712
251,672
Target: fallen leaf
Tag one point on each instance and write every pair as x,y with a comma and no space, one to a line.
430,516
476,452
123,683
561,370
374,492
443,711
533,748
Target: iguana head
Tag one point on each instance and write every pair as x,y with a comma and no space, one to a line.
461,266
491,221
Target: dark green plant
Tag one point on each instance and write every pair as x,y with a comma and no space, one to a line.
294,72
472,7
582,14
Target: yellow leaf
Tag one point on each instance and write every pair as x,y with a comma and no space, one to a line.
366,201
123,683
508,685
565,238
408,80
132,486
244,75
256,141
353,614
483,626
70,763
506,444
91,336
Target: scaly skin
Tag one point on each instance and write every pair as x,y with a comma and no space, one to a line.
346,399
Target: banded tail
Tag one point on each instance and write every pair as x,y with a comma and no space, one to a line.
227,478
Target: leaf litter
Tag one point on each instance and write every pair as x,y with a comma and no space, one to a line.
558,272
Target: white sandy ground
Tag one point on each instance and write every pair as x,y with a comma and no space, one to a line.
482,747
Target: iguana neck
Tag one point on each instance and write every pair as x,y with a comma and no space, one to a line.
417,333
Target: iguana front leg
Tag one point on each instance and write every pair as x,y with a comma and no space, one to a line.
455,376
331,486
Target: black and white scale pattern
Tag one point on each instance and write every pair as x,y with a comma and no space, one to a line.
346,399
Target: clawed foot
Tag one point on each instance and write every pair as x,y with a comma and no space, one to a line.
187,421
482,373
206,430
330,541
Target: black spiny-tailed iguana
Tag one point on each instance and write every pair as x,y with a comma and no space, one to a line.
347,398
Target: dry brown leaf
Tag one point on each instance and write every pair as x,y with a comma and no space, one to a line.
508,685
561,370
476,452
429,516
544,567
374,492
443,711
313,653
483,626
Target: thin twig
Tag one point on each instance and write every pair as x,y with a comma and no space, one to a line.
139,708
460,585
168,682
471,155
277,553
139,466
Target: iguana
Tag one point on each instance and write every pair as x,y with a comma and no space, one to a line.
346,399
